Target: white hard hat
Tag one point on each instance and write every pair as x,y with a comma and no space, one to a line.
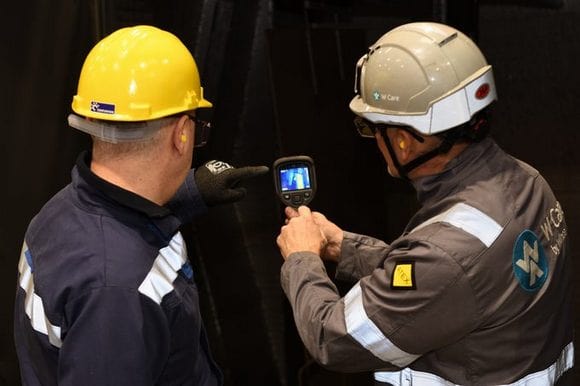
427,76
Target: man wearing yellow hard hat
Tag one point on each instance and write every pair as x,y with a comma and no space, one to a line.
476,291
106,292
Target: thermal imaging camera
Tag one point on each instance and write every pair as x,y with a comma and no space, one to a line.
295,180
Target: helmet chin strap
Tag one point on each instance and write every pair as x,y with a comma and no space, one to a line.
404,170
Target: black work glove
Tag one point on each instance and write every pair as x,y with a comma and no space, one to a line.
218,181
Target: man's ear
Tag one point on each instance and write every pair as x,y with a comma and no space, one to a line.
181,137
404,143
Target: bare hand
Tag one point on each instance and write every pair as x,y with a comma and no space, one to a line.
290,213
301,234
331,232
333,235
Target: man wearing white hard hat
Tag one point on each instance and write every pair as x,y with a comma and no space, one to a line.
476,291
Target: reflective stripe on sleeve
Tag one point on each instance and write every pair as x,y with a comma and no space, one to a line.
365,332
471,220
33,305
548,376
159,280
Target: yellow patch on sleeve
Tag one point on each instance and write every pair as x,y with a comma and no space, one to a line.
403,275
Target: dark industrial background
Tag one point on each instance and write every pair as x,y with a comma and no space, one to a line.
280,74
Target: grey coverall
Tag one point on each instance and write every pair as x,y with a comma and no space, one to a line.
476,291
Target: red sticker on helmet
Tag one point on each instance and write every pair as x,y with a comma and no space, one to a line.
482,91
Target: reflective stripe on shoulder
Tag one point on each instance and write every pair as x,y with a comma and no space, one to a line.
365,332
159,280
471,220
548,376
33,305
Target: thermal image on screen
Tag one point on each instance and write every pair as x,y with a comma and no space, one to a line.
294,178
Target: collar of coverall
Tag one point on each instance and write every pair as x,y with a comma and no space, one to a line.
460,168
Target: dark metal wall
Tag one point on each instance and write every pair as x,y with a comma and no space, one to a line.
280,74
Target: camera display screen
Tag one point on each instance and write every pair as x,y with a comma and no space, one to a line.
294,177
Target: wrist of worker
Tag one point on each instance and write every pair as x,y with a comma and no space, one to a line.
346,260
296,262
303,255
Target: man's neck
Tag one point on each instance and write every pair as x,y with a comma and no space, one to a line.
146,179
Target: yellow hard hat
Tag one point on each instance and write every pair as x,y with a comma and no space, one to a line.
138,73
427,76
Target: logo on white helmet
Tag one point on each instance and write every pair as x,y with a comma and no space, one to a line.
377,96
